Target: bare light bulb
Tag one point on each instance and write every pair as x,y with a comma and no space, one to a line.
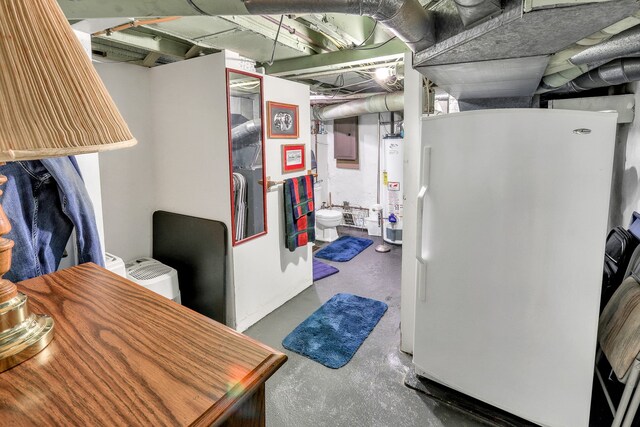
383,74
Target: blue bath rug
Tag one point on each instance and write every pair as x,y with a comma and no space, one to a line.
344,249
322,270
335,331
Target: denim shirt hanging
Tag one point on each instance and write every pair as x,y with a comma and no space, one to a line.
44,201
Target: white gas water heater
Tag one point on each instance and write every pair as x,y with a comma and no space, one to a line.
392,188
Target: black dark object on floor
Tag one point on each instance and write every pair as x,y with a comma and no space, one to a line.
475,408
618,250
197,249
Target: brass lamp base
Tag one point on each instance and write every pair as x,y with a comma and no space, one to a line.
22,333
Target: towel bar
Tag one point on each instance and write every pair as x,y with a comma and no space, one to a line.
271,183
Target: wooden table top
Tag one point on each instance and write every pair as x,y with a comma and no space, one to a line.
123,355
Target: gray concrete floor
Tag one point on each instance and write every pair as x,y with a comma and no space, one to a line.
369,390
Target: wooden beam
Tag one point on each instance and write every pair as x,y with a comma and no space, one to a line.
150,59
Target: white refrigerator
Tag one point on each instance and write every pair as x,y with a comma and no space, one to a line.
512,220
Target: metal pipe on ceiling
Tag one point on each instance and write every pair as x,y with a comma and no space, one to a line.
619,71
335,71
373,104
407,19
340,99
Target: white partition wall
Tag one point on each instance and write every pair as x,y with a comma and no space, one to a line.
179,113
266,274
128,176
190,145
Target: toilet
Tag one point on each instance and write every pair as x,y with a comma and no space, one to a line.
326,222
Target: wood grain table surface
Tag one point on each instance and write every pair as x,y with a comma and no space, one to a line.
123,355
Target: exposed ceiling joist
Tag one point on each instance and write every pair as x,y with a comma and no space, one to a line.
300,39
85,9
393,50
150,59
151,43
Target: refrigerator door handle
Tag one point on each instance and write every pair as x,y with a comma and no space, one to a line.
422,194
420,252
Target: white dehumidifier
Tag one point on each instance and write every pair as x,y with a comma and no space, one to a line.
155,276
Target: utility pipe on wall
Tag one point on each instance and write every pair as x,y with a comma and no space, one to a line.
374,104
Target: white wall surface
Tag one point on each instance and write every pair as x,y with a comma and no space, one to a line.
412,138
266,273
191,149
357,186
322,159
128,176
191,144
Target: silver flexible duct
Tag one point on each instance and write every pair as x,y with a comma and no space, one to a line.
613,73
619,46
472,11
373,104
407,19
246,133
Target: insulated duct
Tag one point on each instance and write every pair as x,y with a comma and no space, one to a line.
613,73
619,46
407,19
472,11
373,104
246,133
561,69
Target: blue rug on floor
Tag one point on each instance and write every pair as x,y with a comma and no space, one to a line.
344,249
322,270
335,331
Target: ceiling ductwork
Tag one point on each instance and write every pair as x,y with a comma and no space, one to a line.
614,73
246,133
373,104
617,41
624,44
472,11
407,19
507,55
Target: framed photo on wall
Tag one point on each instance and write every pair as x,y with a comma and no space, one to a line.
283,120
293,158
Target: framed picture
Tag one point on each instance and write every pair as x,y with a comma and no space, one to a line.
283,120
293,158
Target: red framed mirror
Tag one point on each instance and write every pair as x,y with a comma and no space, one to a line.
246,156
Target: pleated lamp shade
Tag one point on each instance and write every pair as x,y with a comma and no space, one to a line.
52,101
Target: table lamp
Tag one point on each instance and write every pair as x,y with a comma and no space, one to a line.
52,103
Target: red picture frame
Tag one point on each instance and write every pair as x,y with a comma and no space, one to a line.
282,121
293,158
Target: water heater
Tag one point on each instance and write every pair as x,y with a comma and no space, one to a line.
392,188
